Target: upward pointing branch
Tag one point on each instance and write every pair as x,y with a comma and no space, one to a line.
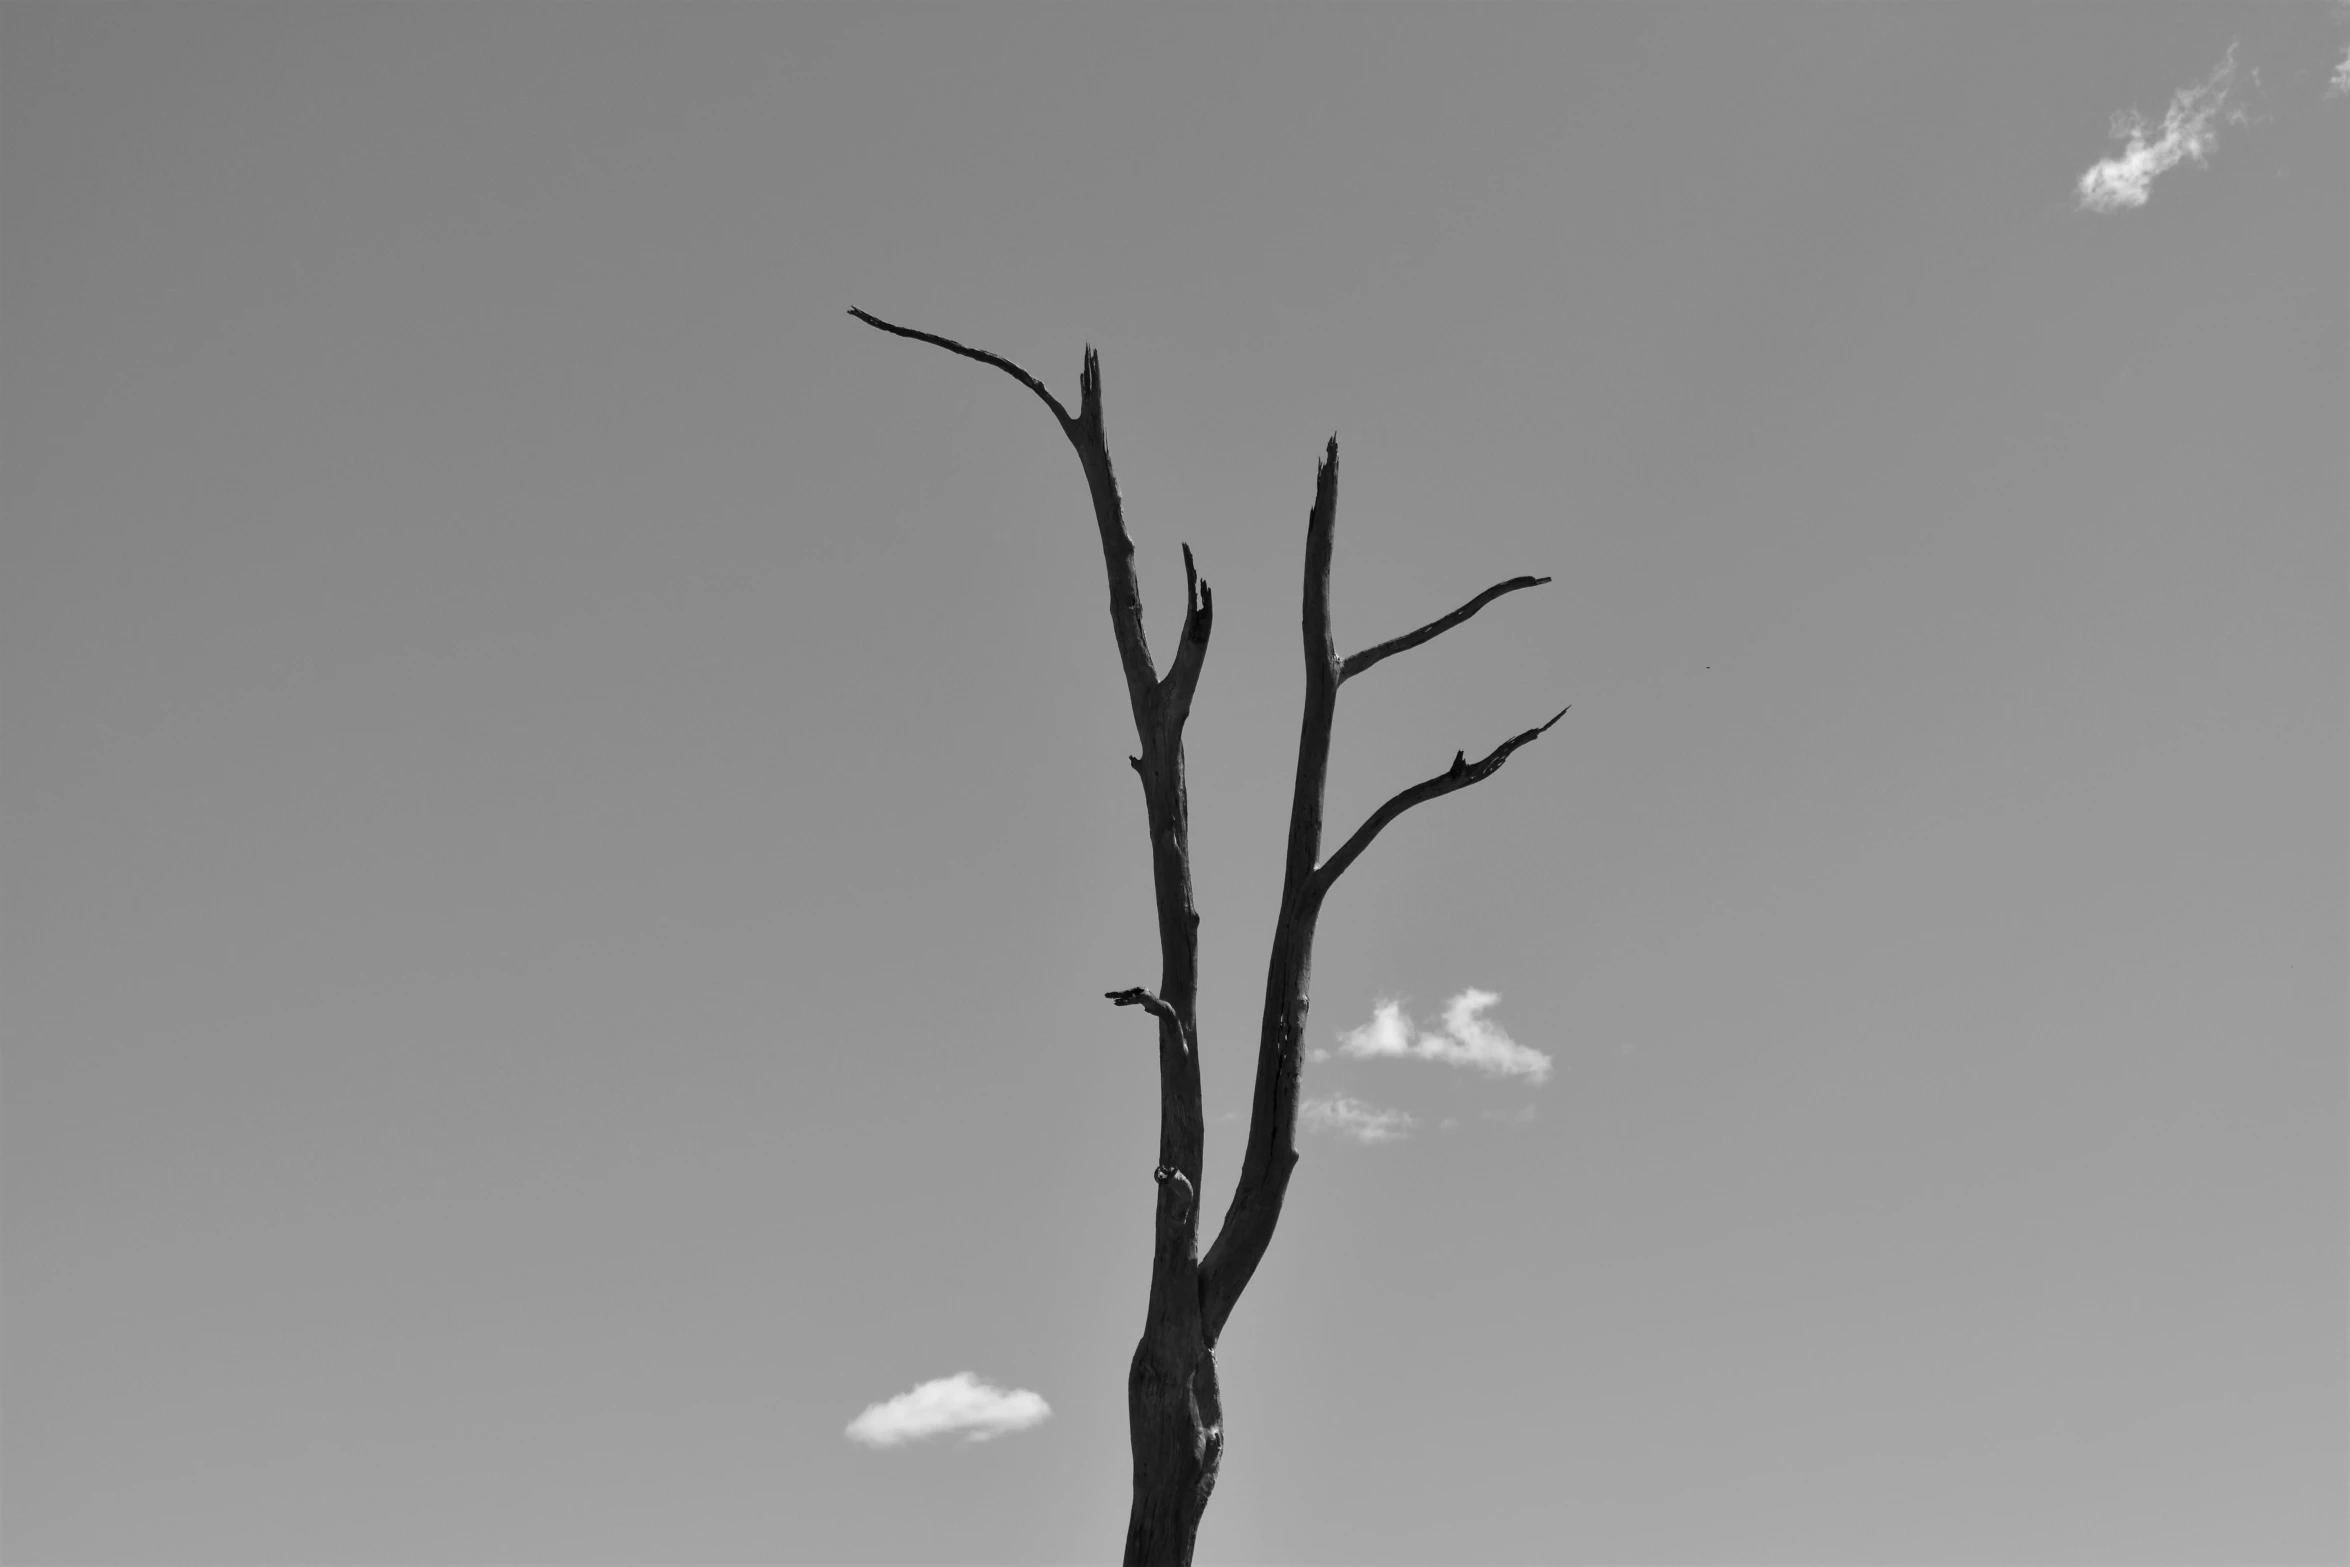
1191,648
1460,775
1356,663
1271,1151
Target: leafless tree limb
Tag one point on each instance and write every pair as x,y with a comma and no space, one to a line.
1460,775
1085,433
980,354
1270,1155
1136,996
1356,663
1191,648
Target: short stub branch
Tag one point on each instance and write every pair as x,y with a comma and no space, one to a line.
1191,650
1136,996
1199,601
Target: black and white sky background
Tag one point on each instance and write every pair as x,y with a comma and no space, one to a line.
567,824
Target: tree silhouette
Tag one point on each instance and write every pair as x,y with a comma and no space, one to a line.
1174,1411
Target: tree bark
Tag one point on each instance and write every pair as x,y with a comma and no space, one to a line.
1174,1406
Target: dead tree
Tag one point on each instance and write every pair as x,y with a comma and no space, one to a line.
1174,1414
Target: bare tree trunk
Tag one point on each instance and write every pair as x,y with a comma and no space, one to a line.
1174,1407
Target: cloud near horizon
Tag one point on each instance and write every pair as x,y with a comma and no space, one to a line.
960,1403
1348,1117
2189,130
1467,1039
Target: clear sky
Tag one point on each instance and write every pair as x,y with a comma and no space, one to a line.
567,818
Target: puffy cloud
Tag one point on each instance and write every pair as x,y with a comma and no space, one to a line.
1353,1118
2190,129
960,1403
1468,1038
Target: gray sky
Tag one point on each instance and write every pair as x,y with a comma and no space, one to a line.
567,823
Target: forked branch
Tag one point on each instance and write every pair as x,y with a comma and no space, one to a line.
1460,775
1167,1388
1356,663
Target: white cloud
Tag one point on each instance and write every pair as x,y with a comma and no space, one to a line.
1353,1118
1467,1039
960,1403
2189,130
2340,85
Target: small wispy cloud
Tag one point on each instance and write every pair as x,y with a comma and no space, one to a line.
1350,1117
2339,87
961,1404
1466,1038
2189,130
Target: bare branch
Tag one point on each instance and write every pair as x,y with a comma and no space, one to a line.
1136,996
1085,432
1322,677
1460,775
1199,602
1191,649
1356,663
1271,1151
980,354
